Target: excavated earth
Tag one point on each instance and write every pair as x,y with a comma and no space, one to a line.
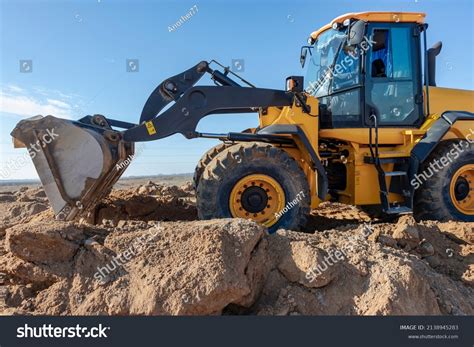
143,252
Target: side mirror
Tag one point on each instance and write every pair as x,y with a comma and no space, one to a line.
303,54
356,33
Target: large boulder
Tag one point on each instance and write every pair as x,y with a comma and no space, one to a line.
181,269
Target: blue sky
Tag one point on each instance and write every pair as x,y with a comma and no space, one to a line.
79,50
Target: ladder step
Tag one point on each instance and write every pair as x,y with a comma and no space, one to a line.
396,173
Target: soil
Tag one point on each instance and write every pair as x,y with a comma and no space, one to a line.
145,253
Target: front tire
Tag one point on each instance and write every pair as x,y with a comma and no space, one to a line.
206,159
448,193
255,181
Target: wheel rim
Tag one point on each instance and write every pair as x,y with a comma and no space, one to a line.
462,189
257,197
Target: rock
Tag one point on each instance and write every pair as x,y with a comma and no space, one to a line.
29,273
17,294
387,241
425,248
188,188
44,243
39,193
3,227
406,232
90,243
7,197
141,206
383,239
309,266
143,190
374,236
36,208
15,211
121,223
150,188
468,276
175,192
182,268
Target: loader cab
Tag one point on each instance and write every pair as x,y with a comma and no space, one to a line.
357,67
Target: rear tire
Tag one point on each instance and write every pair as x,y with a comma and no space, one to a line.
447,194
255,181
206,159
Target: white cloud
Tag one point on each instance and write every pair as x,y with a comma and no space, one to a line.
53,92
13,88
58,103
17,101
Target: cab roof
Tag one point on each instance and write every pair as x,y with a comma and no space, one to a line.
403,17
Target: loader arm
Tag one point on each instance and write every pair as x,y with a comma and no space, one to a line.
80,167
172,89
199,102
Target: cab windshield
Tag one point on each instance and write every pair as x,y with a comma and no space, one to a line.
324,53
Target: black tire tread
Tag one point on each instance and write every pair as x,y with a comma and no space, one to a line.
206,159
427,202
222,164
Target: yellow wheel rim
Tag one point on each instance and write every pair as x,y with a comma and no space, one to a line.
257,197
461,189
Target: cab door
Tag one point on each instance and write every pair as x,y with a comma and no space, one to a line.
393,89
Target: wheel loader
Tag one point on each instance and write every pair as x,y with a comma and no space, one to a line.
366,126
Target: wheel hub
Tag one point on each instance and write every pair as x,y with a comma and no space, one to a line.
257,197
462,189
254,199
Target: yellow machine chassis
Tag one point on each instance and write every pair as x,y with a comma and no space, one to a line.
362,186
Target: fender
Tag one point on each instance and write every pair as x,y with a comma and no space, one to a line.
316,163
432,138
437,132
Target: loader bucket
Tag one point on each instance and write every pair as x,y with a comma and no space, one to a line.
77,163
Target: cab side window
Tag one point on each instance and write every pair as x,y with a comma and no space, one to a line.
392,82
381,57
344,102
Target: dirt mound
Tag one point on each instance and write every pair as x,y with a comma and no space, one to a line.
19,207
145,254
149,202
169,268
